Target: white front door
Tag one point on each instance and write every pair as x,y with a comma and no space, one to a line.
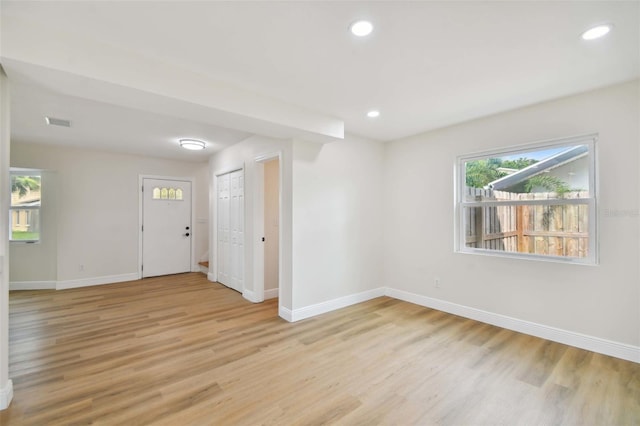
230,222
166,227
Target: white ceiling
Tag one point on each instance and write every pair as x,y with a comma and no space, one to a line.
427,65
101,125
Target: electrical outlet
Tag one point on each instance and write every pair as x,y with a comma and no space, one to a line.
436,282
81,268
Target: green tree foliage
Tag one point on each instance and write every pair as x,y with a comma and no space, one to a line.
480,172
548,182
24,184
518,164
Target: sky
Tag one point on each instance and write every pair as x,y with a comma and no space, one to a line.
539,154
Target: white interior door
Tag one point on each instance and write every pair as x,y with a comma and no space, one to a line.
166,227
230,213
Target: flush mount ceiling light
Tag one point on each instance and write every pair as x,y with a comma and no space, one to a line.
361,28
373,114
596,32
192,144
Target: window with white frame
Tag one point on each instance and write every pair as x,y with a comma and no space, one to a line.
26,200
536,201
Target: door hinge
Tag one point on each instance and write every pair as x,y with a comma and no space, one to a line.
142,267
143,189
142,228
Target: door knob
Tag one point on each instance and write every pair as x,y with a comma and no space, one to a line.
187,228
186,235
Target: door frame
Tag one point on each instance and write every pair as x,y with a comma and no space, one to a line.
258,225
141,178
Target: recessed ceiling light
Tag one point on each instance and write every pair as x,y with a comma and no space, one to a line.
361,28
57,122
596,32
373,114
192,144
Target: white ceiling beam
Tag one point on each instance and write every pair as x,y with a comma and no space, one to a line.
93,70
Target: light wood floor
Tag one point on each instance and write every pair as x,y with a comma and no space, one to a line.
182,351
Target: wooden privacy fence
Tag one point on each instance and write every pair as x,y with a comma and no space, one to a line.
560,230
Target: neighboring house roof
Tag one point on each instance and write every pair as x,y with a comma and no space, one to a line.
552,162
30,203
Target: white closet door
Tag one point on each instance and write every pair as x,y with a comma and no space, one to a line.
231,230
223,229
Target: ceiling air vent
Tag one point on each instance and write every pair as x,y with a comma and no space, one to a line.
57,122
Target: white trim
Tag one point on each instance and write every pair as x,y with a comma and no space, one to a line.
193,264
32,285
271,293
86,282
258,220
285,313
258,228
592,201
529,146
583,341
211,277
332,305
228,170
591,343
265,158
251,296
6,395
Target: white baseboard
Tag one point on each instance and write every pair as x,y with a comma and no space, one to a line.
285,313
332,305
250,296
211,277
6,395
272,293
86,282
32,285
594,344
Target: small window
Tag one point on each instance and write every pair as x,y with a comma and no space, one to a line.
536,202
174,194
26,196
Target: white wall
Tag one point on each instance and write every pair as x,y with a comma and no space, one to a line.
271,223
244,155
337,219
601,301
6,392
97,209
331,226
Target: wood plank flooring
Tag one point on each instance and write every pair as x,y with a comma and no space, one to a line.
180,350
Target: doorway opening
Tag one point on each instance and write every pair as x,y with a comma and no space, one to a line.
267,225
271,228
